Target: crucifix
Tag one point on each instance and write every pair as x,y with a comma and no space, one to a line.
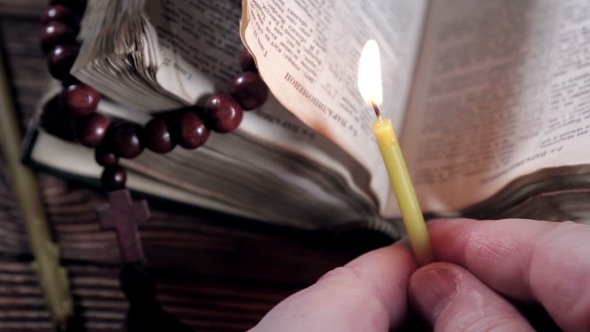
144,314
122,214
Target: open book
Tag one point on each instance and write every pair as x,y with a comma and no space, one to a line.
491,100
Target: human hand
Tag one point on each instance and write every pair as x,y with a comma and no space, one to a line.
483,265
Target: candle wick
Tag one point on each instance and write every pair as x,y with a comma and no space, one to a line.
376,109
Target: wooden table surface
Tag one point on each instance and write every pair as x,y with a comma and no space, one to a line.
212,276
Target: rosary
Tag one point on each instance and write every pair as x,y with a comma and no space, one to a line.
190,129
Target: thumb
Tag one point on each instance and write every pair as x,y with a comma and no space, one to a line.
451,298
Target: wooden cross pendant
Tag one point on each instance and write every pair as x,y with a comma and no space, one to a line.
122,214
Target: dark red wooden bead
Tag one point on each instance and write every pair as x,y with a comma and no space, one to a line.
127,140
114,178
60,60
248,90
92,129
57,122
157,136
79,99
105,157
55,33
190,131
77,6
61,14
222,113
247,61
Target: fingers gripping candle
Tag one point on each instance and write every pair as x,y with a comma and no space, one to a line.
369,81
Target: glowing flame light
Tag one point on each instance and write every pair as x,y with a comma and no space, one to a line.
369,76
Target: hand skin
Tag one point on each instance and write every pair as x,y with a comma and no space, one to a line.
482,266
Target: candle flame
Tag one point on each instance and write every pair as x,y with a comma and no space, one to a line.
369,75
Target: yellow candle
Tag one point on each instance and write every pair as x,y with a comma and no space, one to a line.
52,278
369,81
404,190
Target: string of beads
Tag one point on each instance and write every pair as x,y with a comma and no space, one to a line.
190,128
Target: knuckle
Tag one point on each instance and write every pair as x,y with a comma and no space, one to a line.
480,246
365,290
340,273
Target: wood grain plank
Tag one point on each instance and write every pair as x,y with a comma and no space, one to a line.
200,301
22,9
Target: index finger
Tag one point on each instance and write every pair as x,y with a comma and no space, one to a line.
527,260
367,294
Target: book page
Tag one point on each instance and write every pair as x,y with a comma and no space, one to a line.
502,90
307,52
198,44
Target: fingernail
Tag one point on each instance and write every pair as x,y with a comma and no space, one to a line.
430,292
